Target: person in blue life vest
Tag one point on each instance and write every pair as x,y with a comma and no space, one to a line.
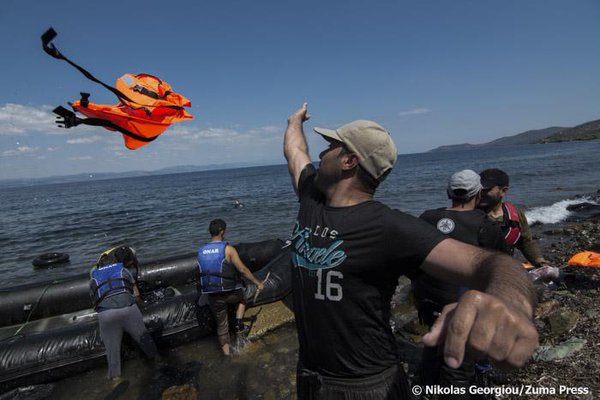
516,230
220,269
348,251
461,221
114,293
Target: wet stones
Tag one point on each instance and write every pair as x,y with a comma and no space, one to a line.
547,307
563,350
563,321
180,392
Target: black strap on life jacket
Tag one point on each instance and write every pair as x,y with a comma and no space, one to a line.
127,286
231,278
69,120
51,50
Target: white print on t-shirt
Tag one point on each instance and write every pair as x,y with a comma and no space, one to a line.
323,232
333,291
446,225
311,257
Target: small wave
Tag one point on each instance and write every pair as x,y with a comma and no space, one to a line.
556,212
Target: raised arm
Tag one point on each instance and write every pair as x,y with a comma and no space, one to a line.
295,147
495,317
232,255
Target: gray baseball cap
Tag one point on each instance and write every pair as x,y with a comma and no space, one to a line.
370,141
464,184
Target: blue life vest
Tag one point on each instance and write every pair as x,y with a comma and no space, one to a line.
216,274
110,281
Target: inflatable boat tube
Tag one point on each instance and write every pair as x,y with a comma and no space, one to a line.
49,259
63,345
42,300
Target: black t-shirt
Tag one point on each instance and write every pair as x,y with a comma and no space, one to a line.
347,261
472,227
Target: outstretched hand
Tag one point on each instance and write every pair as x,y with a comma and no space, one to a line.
486,324
300,115
260,286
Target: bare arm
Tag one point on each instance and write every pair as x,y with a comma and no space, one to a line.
494,319
136,291
295,147
527,244
232,255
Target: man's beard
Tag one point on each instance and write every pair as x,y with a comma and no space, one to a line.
488,203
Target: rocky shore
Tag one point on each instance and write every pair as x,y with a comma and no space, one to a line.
568,359
567,363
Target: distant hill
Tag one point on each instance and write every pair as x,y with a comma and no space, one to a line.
528,137
99,176
587,131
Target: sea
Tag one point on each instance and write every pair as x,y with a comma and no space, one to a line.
168,215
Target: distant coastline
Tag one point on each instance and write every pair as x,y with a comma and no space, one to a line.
99,176
586,131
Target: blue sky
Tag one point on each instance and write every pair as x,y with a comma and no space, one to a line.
431,72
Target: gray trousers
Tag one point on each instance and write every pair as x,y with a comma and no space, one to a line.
218,303
113,322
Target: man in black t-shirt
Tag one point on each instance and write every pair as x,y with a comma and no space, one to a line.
461,221
348,252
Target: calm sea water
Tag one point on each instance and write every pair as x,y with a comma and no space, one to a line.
168,215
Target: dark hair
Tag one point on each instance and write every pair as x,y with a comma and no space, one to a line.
107,259
458,196
127,256
121,254
216,226
493,177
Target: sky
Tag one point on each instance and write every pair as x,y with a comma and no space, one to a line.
431,72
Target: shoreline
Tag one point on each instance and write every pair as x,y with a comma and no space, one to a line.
566,318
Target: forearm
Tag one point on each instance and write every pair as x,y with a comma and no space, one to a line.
294,140
531,250
136,290
502,276
295,147
526,244
246,273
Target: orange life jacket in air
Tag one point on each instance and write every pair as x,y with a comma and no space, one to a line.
147,105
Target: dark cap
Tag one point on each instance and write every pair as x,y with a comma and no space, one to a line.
493,177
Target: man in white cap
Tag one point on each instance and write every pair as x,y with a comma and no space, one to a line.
348,253
461,221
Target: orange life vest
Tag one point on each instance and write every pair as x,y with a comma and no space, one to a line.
586,259
147,105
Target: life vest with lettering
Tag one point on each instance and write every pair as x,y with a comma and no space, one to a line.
110,281
216,274
511,218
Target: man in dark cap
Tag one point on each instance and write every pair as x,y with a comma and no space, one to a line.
348,251
514,223
461,221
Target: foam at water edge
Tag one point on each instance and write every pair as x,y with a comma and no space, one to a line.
554,213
